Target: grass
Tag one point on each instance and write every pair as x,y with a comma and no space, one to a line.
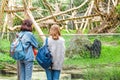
5,58
109,55
105,68
102,74
4,44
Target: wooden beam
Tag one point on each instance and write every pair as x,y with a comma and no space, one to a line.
75,8
81,17
18,16
85,21
14,28
17,10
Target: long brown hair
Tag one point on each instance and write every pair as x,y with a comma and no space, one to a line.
55,32
26,25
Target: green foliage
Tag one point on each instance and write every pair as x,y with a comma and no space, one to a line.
5,58
70,31
118,8
40,42
17,21
78,3
38,3
4,45
4,53
63,7
2,66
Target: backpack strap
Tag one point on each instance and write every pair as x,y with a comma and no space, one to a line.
46,42
20,37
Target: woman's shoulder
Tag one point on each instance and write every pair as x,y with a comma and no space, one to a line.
29,33
26,32
61,38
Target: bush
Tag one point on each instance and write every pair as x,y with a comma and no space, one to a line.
77,47
5,58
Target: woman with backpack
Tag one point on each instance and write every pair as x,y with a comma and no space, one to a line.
56,45
29,42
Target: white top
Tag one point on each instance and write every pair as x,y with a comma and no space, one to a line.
57,48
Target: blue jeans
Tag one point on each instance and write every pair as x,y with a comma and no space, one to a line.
26,68
52,74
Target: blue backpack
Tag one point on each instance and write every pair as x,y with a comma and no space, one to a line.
17,51
44,57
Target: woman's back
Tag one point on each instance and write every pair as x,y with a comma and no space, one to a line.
57,49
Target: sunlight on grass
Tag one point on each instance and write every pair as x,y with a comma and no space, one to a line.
109,55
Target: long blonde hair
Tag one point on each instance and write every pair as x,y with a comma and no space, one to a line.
55,32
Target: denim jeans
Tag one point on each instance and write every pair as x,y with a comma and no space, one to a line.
26,68
52,74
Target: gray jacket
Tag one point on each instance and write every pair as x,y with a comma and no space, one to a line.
57,48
